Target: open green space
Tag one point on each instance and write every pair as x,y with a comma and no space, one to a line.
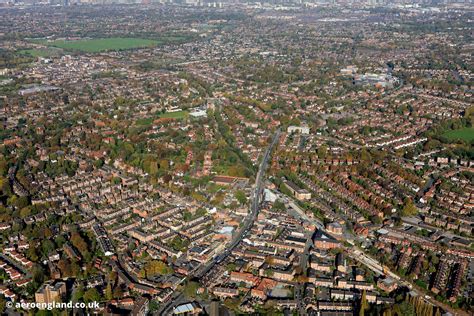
46,52
465,133
102,44
145,121
176,115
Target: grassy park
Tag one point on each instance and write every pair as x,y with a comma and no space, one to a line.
96,45
175,115
169,115
42,52
465,134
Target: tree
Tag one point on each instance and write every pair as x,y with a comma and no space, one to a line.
108,291
38,275
241,197
153,306
3,304
78,293
322,151
156,267
278,206
365,155
47,246
65,266
387,312
91,295
409,209
98,163
3,166
25,212
113,276
231,267
118,293
60,241
21,202
32,254
179,243
363,304
79,242
405,309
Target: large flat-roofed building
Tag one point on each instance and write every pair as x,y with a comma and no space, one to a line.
298,129
187,309
228,180
51,292
300,194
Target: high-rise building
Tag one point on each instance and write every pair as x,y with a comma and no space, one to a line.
51,292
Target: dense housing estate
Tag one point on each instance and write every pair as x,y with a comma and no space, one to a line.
205,158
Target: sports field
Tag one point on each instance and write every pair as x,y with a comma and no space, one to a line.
176,115
102,44
168,115
46,52
466,134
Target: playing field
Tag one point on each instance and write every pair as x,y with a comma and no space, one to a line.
170,115
47,52
103,44
176,115
466,134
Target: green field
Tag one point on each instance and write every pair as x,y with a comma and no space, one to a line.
145,121
466,134
176,115
102,44
46,52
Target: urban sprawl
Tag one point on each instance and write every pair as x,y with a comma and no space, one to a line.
237,158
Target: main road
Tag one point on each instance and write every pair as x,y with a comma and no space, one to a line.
247,224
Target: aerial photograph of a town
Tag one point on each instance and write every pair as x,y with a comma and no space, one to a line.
241,157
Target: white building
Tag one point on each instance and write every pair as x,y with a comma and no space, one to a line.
299,129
